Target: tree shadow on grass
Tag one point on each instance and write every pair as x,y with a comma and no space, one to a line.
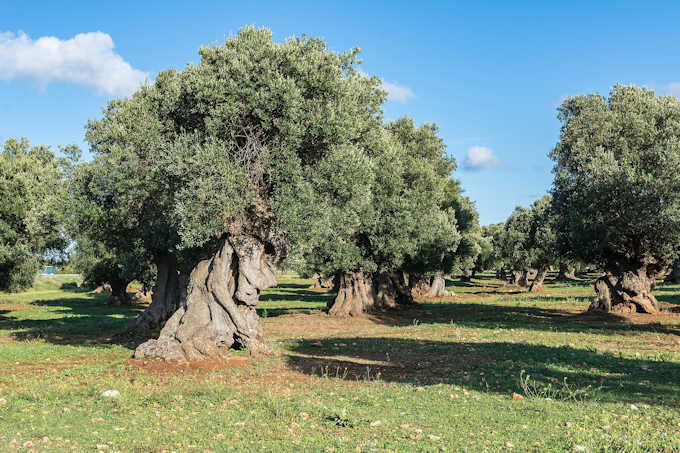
492,366
492,316
81,320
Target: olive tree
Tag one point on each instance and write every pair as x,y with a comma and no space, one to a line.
541,245
31,212
616,192
216,169
513,245
383,216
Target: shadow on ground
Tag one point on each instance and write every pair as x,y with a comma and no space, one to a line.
492,366
82,320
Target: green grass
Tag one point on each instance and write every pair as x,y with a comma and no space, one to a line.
437,377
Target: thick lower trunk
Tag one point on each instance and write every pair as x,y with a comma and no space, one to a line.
119,296
391,290
565,274
523,279
515,277
473,273
168,294
429,287
674,275
537,283
356,295
218,312
323,283
629,292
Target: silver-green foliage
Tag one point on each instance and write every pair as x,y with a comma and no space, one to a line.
616,190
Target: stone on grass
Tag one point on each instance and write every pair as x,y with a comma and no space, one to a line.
111,394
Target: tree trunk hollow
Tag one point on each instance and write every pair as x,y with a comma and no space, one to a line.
218,312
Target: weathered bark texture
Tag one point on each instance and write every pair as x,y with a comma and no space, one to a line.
537,283
391,290
218,312
324,283
674,275
631,291
167,295
119,296
356,295
361,292
429,286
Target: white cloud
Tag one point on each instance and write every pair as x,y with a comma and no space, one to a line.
86,59
480,157
398,93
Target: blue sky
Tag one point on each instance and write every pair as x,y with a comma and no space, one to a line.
490,74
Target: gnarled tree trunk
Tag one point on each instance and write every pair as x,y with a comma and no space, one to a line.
356,295
537,283
391,290
322,282
119,296
674,275
167,295
218,312
629,292
361,292
429,286
515,277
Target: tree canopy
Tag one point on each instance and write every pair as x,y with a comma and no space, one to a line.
616,190
31,212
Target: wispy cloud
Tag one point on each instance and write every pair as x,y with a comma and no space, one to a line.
673,88
398,93
86,59
480,157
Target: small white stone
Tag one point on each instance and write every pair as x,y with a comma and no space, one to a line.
376,423
633,407
579,448
111,394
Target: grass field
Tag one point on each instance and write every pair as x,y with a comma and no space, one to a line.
490,369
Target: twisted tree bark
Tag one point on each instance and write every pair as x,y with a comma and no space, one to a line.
356,295
429,287
631,291
322,282
537,283
361,292
218,312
